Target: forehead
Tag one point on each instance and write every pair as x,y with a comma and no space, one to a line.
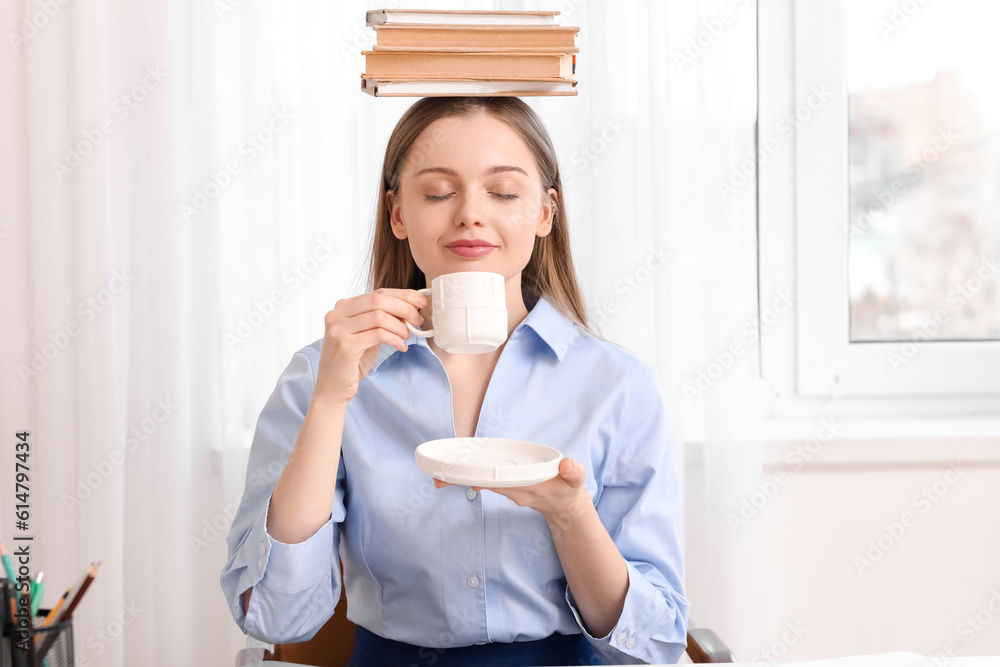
469,145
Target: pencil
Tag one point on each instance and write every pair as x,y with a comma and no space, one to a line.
55,610
53,613
7,566
91,573
67,610
56,614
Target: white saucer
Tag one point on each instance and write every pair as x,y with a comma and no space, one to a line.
497,462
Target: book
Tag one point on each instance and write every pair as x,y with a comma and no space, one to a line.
435,53
463,16
475,49
403,87
430,64
500,37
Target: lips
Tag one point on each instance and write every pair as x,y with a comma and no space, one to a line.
471,247
469,243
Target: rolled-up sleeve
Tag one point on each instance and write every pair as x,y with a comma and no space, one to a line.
295,586
640,506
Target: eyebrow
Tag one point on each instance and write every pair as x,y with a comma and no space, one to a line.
498,169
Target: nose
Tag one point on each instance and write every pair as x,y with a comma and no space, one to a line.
470,211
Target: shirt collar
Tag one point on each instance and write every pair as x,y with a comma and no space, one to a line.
551,326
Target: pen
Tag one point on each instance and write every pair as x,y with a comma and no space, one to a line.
37,590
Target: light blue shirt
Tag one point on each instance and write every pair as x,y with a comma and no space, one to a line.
450,567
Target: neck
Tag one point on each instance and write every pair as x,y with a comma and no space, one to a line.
516,310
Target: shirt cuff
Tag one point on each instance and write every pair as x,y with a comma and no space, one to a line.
288,568
645,614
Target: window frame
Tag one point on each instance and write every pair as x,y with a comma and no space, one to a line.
826,364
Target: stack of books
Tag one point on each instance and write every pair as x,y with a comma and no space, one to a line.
432,53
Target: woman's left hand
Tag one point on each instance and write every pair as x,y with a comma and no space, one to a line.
555,499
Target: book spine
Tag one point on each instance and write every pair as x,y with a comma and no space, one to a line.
439,65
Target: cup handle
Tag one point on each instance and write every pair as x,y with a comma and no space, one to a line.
420,332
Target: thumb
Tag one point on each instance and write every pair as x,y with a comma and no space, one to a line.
572,472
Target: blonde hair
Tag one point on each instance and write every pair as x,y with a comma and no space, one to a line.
549,271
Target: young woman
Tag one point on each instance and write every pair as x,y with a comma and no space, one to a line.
582,568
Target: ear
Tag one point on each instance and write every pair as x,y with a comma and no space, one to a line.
395,216
549,212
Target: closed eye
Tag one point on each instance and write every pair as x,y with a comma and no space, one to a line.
495,194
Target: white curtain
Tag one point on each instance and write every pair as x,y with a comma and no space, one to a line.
187,188
712,294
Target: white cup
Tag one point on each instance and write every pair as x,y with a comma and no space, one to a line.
469,311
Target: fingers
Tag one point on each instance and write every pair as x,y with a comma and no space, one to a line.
379,320
381,314
572,472
376,336
401,303
353,332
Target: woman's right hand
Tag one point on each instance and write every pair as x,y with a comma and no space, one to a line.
355,329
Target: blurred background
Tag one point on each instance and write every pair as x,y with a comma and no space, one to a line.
187,188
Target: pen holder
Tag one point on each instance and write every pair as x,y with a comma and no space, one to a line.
53,646
43,647
56,641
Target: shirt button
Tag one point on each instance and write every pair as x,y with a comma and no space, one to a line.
261,548
630,643
473,581
260,565
470,494
620,638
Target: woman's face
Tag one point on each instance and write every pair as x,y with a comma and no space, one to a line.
470,178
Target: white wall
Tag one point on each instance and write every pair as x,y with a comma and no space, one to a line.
869,546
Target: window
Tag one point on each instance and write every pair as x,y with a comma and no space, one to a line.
924,169
893,180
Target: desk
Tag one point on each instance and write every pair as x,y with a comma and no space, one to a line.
895,659
898,659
